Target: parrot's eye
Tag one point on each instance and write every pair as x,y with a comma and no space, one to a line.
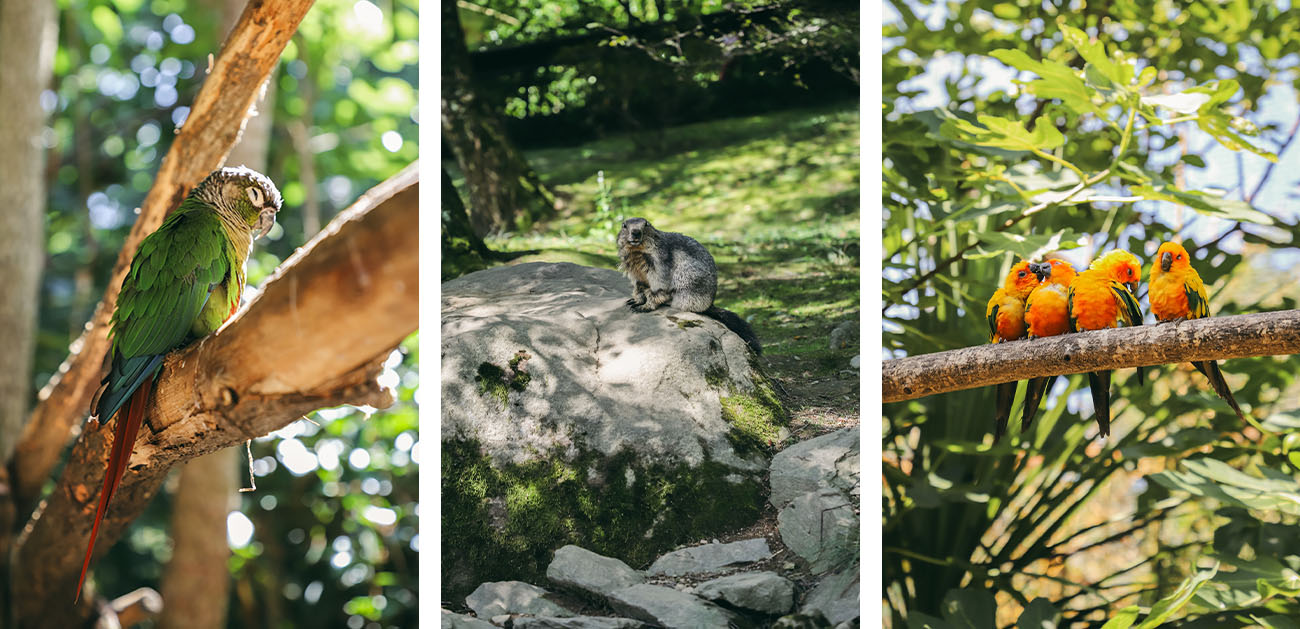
1178,257
255,195
1130,272
1022,274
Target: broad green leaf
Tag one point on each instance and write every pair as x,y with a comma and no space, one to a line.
1026,247
1039,614
1005,134
1220,124
968,607
1167,606
1203,202
1120,74
918,620
108,23
1057,80
1123,619
1182,102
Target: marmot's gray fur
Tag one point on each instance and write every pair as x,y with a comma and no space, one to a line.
674,269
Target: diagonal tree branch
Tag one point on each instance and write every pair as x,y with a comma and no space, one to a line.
216,118
316,336
1238,336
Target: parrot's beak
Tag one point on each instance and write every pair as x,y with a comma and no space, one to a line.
265,221
1166,261
1132,286
1043,271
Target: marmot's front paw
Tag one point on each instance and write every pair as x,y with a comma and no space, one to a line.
633,302
641,308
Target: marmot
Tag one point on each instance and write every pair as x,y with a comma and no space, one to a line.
674,269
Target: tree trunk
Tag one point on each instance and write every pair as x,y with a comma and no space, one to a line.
27,41
196,582
462,250
504,191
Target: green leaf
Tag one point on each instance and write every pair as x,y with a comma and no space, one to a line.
1039,614
108,24
918,620
1026,247
1167,606
968,607
1005,134
1119,74
1222,125
1203,203
1057,80
1182,102
1123,619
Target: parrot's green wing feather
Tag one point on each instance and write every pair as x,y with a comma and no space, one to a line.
170,280
1198,305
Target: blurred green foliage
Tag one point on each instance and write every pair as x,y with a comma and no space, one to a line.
331,530
1059,126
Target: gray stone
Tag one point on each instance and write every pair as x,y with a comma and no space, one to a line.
544,365
710,557
805,466
765,592
665,606
836,597
821,527
513,597
601,374
578,568
576,622
452,620
845,335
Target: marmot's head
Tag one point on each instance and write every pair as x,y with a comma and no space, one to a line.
635,233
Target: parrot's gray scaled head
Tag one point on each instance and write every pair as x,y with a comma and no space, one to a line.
245,192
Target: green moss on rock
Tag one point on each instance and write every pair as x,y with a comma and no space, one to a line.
616,506
496,382
756,416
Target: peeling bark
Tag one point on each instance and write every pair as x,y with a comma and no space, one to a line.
317,335
1216,338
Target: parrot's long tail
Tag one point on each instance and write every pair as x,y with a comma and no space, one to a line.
1099,385
1033,398
124,433
1211,370
1006,394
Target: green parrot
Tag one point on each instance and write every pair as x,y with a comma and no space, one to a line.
185,281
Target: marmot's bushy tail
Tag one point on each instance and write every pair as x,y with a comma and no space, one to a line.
737,325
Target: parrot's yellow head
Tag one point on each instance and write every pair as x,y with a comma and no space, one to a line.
1121,266
1021,280
242,195
1171,256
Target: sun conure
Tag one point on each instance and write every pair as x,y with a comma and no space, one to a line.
1006,317
185,281
1177,293
1102,297
1046,314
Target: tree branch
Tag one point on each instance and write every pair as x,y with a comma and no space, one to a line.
1238,336
216,118
316,336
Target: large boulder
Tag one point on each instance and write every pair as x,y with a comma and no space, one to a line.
567,418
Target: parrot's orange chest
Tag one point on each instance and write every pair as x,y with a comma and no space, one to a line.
1047,315
1094,306
1168,297
1011,319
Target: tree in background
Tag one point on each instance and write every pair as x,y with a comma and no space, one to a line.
1017,130
27,40
504,191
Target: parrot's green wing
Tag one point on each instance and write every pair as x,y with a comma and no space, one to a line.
171,277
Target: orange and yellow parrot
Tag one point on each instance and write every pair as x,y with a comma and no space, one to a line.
1046,314
1006,317
1177,293
1102,297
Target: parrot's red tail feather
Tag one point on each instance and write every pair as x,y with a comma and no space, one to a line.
124,433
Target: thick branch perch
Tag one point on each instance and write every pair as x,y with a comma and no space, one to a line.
316,336
219,111
1238,336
